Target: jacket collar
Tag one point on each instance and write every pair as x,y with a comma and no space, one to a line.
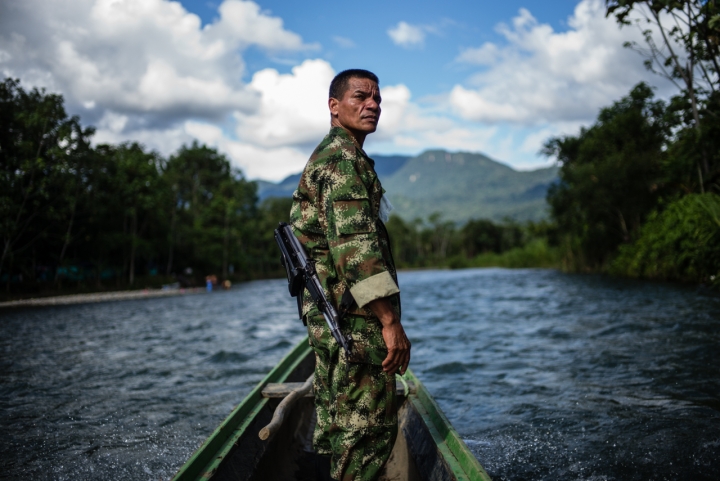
344,134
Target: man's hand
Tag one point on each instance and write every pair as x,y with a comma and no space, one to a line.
397,343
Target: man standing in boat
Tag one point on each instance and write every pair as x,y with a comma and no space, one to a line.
338,214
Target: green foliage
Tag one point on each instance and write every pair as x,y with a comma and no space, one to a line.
479,243
610,178
631,197
483,236
684,47
262,256
682,242
536,253
76,216
690,25
211,208
43,154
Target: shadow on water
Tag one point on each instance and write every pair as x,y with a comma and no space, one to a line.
546,375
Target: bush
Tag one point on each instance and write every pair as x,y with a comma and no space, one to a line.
680,243
536,253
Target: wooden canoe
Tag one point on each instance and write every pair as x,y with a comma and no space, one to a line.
427,448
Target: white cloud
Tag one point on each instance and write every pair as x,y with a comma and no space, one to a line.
486,54
406,35
243,22
145,58
148,71
256,162
292,107
408,127
543,76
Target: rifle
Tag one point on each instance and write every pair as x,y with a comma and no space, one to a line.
302,275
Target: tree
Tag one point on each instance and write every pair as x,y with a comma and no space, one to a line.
139,188
210,207
41,148
610,177
684,47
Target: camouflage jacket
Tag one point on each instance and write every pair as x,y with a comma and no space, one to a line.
335,216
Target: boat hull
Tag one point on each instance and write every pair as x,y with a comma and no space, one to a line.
427,447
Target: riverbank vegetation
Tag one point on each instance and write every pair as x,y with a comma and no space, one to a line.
477,243
81,217
77,217
638,191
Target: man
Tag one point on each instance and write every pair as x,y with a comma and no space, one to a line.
336,216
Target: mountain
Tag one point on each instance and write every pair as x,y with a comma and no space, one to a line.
464,185
385,166
284,188
459,185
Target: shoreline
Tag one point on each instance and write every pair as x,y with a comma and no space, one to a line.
99,297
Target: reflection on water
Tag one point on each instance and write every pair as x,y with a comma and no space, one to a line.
546,375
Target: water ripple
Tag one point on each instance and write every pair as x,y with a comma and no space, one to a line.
545,375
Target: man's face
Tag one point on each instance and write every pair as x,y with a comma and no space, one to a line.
359,109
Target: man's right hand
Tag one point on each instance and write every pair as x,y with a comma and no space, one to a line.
396,341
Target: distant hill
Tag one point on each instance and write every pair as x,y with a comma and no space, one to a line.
463,185
459,185
385,166
284,188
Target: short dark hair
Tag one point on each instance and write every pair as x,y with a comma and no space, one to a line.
339,84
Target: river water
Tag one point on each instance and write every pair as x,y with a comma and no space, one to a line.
547,376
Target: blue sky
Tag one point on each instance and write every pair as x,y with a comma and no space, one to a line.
250,78
427,69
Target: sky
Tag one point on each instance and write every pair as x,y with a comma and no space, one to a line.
251,78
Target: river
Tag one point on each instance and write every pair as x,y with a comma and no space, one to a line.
547,376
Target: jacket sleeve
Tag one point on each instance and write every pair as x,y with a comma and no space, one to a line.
351,231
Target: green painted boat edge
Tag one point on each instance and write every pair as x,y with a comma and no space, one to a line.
211,453
461,461
213,450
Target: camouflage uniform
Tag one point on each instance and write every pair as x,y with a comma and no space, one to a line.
335,216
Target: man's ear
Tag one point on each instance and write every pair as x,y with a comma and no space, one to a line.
333,106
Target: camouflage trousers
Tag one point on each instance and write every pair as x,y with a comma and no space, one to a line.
354,399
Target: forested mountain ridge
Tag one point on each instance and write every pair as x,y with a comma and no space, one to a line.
460,186
385,166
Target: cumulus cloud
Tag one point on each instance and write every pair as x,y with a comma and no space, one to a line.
292,107
256,162
486,54
545,76
406,35
409,127
148,59
148,70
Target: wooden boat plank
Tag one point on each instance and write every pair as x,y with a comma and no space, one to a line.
282,389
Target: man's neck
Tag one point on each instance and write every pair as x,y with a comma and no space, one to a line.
358,137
